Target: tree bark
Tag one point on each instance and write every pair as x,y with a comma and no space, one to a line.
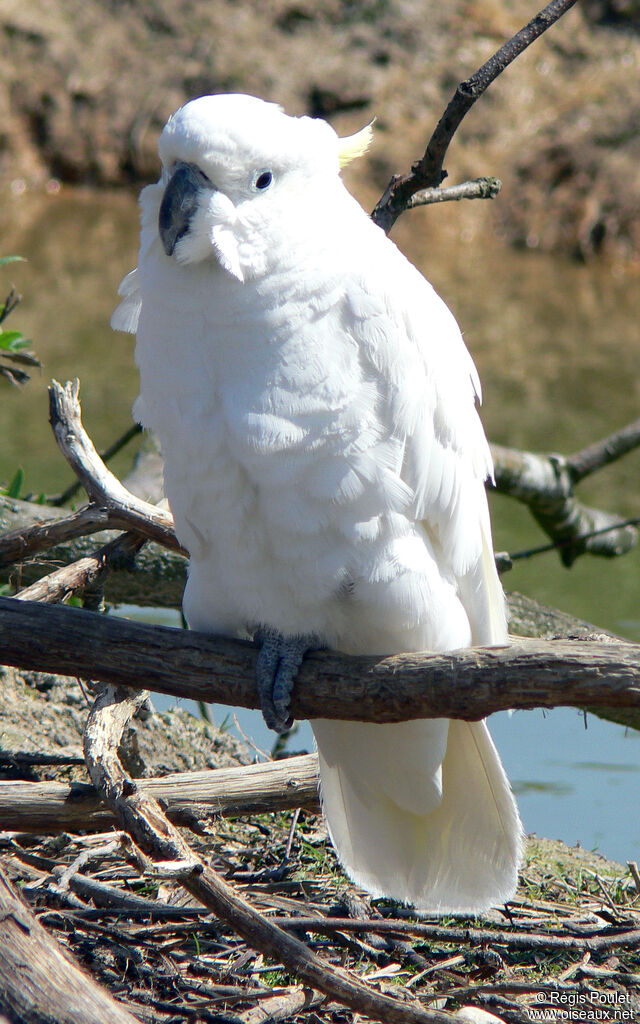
467,684
155,578
39,982
249,789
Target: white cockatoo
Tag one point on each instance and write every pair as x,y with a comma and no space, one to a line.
325,466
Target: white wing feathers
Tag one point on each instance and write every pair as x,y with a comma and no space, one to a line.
126,315
412,341
441,834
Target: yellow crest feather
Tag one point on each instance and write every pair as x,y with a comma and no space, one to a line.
353,146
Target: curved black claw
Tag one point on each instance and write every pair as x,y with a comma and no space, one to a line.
278,662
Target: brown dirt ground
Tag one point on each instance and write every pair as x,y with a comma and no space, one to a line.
86,86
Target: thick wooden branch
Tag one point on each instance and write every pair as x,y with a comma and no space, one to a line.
428,171
468,684
39,982
545,484
249,789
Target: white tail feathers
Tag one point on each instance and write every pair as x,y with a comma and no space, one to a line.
460,852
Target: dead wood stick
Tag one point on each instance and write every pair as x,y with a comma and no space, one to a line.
143,819
545,484
478,188
26,541
133,431
467,684
280,1007
437,933
48,533
158,578
39,981
104,489
87,571
255,788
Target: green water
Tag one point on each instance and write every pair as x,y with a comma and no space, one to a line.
558,348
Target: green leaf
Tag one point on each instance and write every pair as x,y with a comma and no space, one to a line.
11,259
14,488
13,341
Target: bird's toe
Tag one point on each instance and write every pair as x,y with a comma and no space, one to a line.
276,668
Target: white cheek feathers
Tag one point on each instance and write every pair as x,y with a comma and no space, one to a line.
211,234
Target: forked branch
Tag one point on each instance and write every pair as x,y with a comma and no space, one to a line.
427,172
545,483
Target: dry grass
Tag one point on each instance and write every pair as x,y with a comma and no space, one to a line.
171,962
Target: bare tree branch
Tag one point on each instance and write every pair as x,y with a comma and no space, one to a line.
467,684
156,578
479,188
440,933
249,789
104,489
427,172
48,532
83,573
134,431
603,453
545,483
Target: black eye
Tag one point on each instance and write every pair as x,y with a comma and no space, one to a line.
263,180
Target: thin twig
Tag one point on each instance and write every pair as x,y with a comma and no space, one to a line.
437,933
427,172
516,556
479,188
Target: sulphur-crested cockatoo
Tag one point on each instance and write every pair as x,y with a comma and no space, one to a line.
325,465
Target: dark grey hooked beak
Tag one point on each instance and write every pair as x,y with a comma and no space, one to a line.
179,203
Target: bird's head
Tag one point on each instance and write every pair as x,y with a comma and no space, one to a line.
235,169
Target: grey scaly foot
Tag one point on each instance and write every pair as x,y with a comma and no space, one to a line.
278,662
